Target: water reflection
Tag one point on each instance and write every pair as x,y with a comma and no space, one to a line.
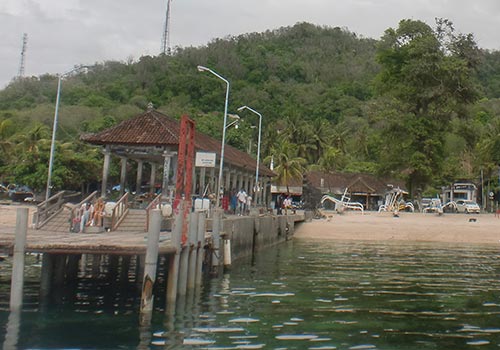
300,295
354,296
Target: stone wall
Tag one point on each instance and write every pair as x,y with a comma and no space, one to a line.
249,233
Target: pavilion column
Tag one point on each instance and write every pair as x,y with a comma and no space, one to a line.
228,181
138,182
152,179
237,184
167,157
202,180
212,180
123,175
265,184
245,183
105,170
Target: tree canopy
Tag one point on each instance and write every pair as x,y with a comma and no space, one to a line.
420,104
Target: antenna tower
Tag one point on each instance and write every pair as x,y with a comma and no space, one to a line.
165,42
23,56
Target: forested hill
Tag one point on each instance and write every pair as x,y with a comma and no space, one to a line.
320,90
302,69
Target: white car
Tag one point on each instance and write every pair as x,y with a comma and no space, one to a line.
467,206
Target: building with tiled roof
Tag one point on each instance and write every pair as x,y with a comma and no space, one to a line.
364,188
153,137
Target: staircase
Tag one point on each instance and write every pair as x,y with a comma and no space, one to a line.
135,221
60,222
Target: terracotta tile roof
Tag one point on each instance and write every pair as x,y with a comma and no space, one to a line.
153,128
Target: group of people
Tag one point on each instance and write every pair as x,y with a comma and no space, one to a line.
239,204
89,215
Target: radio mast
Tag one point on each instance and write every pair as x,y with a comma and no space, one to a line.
23,56
165,43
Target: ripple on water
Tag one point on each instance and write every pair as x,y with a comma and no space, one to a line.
218,329
478,342
244,320
296,337
363,347
197,341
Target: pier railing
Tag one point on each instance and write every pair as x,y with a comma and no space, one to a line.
48,209
119,211
154,204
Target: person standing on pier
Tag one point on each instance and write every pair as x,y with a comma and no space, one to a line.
242,201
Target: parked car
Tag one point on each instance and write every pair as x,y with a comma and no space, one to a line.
431,205
467,206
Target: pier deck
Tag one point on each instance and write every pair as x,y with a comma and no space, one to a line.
122,243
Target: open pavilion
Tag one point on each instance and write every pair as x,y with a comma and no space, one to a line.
150,142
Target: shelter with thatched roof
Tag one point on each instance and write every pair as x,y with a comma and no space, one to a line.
153,138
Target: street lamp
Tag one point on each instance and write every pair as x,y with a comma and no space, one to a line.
258,142
54,129
221,163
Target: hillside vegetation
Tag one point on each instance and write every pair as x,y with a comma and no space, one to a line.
420,104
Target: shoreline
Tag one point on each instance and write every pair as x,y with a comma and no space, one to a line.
408,227
373,226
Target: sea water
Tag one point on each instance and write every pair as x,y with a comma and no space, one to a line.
298,295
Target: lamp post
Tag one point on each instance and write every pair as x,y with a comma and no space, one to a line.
54,130
221,163
258,142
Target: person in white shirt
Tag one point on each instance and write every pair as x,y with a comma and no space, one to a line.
242,201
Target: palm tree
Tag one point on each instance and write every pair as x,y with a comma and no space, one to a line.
288,165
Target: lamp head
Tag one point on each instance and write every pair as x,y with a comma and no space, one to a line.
201,68
241,108
234,116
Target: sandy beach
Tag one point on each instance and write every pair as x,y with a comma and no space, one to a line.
373,226
417,227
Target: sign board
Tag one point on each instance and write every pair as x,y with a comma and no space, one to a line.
205,159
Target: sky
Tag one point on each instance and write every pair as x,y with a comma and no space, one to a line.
66,33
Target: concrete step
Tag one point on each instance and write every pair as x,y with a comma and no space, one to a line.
135,221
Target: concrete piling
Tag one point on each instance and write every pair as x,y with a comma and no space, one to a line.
173,269
202,219
150,266
17,281
216,232
192,241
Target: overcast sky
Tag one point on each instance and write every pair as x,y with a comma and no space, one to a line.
65,33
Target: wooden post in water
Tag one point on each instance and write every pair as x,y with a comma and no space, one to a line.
150,266
192,247
17,280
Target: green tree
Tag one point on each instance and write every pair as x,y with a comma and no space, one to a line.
430,73
287,164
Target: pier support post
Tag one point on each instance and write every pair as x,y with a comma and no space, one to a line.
17,281
202,220
124,269
216,231
183,270
150,266
59,269
173,269
46,275
193,235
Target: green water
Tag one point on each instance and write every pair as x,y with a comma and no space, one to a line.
299,295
